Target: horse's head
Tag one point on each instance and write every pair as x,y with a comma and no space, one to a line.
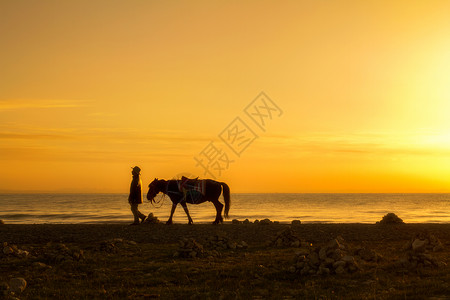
153,189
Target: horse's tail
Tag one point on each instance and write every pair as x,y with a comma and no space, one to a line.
226,197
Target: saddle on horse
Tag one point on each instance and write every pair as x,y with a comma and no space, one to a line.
192,188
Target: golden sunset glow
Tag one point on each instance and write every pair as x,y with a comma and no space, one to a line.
89,89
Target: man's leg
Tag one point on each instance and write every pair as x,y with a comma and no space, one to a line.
135,211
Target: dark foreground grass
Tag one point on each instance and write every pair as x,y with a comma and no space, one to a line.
146,269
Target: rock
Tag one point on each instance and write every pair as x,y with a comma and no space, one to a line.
189,248
246,221
419,245
323,253
295,244
265,222
286,238
22,253
391,218
296,222
39,265
219,242
333,244
8,250
151,219
314,259
367,254
17,285
329,259
256,221
339,263
236,221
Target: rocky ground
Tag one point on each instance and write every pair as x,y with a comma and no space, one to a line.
237,260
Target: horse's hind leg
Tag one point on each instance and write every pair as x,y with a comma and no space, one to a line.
219,207
187,212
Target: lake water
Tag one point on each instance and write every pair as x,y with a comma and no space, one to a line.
309,208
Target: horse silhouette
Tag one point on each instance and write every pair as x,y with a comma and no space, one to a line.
193,191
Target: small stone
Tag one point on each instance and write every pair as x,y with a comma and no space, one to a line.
323,271
17,285
39,265
8,250
407,246
314,258
367,254
296,222
337,254
419,245
349,259
340,270
333,244
236,221
339,264
246,221
323,253
295,244
23,253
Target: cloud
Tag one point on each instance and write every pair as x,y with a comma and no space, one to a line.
18,104
389,144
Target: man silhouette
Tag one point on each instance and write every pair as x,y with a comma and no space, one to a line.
135,197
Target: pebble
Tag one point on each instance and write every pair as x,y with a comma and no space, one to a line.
8,250
17,285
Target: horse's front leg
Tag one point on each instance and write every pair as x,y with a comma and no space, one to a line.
174,205
187,212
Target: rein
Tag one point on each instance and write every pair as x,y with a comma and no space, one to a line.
157,202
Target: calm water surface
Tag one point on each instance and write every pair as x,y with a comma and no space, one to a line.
330,208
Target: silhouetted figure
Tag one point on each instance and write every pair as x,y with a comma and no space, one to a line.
135,197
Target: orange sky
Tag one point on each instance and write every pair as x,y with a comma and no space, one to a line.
89,89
